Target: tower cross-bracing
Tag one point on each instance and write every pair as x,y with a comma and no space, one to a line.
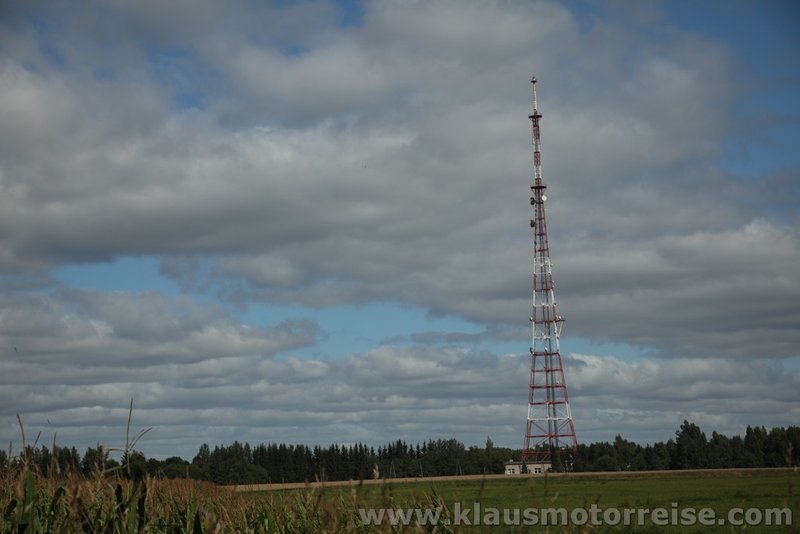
549,428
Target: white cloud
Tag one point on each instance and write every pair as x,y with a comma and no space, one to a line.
410,392
127,330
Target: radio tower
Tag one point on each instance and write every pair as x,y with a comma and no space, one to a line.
549,426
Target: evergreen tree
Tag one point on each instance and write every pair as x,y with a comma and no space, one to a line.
755,439
776,449
691,447
720,452
793,439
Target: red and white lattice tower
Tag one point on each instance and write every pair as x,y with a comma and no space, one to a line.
549,427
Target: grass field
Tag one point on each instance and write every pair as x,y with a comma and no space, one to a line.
31,503
720,491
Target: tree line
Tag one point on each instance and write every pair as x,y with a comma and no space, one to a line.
241,463
691,449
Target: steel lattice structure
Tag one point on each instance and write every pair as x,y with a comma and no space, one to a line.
549,427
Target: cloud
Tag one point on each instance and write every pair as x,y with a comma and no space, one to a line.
704,293
129,330
645,397
257,390
268,154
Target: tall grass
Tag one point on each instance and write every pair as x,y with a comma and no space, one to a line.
125,500
32,503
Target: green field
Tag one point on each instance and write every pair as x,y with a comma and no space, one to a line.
721,491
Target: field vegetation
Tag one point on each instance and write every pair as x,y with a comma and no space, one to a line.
122,502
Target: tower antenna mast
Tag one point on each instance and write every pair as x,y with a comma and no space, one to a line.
548,428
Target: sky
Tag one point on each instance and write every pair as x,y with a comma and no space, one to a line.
308,222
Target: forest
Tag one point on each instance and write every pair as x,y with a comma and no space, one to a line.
241,463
